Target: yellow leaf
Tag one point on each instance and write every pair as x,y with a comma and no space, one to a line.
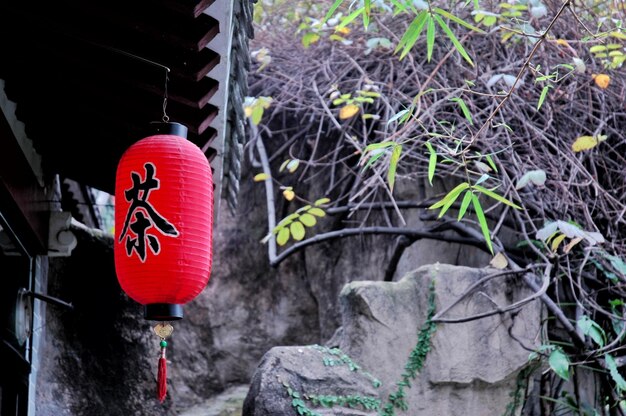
557,241
343,30
347,111
261,177
562,42
571,244
499,261
587,142
247,111
289,194
602,80
618,35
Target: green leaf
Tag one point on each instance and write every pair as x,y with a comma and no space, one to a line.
557,242
430,36
432,162
464,204
452,195
458,20
367,4
308,220
454,40
297,230
397,115
412,33
332,10
317,212
393,165
615,375
401,7
592,329
495,196
348,19
292,166
559,363
381,145
283,236
482,221
257,114
464,109
309,38
491,163
542,97
373,158
321,201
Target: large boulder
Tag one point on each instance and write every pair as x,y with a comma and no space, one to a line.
290,378
470,369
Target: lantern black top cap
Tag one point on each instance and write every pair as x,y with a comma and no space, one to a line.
175,129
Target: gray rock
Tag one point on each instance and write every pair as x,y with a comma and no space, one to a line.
470,369
307,370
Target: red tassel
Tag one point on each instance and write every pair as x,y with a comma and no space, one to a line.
162,378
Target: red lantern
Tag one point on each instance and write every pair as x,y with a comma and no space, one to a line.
163,226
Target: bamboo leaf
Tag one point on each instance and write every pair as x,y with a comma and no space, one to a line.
432,162
397,116
412,33
542,97
464,109
332,10
454,40
348,19
491,163
482,221
495,196
401,7
393,165
482,179
467,198
375,155
452,195
381,145
430,36
458,20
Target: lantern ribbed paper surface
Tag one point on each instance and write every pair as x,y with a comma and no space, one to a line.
163,221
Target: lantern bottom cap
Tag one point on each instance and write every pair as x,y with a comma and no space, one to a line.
163,312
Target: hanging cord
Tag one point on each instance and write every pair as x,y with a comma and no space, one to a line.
165,116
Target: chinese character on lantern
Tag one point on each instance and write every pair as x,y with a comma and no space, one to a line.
138,196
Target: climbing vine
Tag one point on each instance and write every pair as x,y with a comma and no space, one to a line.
417,358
